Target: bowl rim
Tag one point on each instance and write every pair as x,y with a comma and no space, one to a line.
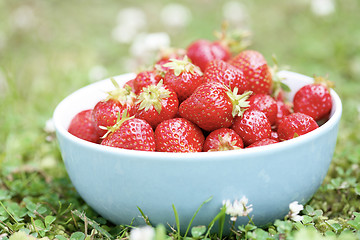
205,156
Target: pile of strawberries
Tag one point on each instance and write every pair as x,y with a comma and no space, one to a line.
203,99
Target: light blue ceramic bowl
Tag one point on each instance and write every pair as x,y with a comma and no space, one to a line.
115,182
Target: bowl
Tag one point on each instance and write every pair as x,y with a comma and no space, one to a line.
117,182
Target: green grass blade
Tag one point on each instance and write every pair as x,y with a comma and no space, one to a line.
192,219
146,218
177,221
221,214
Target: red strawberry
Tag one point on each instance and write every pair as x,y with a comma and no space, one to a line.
221,71
105,112
178,135
82,126
183,77
223,139
263,142
266,104
201,52
283,109
130,133
146,78
166,55
156,103
294,125
313,100
130,83
274,135
255,69
252,126
213,106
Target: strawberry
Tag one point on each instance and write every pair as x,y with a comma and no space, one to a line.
274,135
222,139
213,106
263,142
221,71
283,109
130,83
166,55
314,100
82,126
130,133
156,103
146,78
183,77
178,135
202,51
252,126
255,69
266,104
106,111
294,125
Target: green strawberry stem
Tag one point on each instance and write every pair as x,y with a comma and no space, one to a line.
240,103
122,94
180,66
325,81
119,122
153,96
235,40
277,83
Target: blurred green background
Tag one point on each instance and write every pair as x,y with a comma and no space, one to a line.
50,48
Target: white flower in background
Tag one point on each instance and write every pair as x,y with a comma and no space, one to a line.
97,73
322,7
175,15
23,17
130,21
237,208
235,13
295,209
148,44
49,126
142,233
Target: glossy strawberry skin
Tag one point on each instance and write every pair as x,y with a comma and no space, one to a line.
178,135
209,107
283,109
223,139
201,52
184,84
263,142
295,124
266,104
223,72
133,134
82,126
105,113
146,78
169,108
255,69
313,100
252,126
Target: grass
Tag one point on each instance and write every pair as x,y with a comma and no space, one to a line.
49,49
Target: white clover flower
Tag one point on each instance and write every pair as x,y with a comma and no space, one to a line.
142,233
97,72
322,7
130,21
49,126
237,208
23,17
175,15
148,44
235,13
295,209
